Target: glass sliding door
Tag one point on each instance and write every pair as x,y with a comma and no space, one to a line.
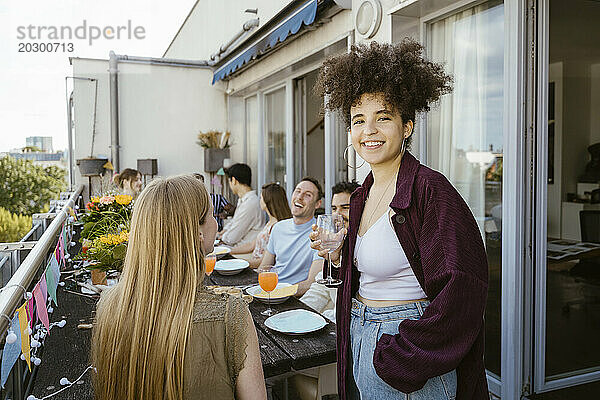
567,226
315,130
465,133
275,158
252,133
300,122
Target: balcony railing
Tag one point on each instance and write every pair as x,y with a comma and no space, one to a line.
21,266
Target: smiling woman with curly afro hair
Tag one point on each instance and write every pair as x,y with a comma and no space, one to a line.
408,82
414,271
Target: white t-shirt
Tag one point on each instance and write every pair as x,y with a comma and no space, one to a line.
290,245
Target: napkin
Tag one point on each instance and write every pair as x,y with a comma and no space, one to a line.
278,292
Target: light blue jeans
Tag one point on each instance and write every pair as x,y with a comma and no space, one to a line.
367,324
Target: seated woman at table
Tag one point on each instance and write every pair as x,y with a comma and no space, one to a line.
129,182
273,201
159,334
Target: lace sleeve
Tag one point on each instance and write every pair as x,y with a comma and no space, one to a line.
236,331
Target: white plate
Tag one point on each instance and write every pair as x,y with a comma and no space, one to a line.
231,267
253,290
296,322
220,251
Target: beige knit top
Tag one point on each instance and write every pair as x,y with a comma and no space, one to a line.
216,347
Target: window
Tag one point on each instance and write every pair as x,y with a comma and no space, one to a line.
252,133
464,133
275,140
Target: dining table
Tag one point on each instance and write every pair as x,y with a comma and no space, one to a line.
564,250
282,355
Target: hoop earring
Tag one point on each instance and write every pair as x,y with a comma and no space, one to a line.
346,158
403,148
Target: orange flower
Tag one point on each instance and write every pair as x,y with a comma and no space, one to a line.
123,199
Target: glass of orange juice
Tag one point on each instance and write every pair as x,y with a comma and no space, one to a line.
209,263
267,279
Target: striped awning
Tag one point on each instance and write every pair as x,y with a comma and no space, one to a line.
304,15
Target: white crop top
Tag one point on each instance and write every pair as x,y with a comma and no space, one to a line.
385,273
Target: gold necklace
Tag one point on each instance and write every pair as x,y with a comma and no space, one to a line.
380,199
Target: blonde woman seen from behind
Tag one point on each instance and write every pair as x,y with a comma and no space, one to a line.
159,334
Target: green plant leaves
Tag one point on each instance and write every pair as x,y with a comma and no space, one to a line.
27,188
119,252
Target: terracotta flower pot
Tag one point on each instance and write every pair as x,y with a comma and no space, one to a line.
98,277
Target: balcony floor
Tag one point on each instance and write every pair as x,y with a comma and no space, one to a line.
66,350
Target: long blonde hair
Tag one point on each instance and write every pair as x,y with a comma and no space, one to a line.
142,324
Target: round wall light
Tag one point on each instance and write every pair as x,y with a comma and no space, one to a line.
368,18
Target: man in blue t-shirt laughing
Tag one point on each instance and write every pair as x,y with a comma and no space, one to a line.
289,245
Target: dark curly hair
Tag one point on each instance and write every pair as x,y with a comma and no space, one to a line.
408,82
345,187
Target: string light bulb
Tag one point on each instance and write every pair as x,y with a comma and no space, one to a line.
11,337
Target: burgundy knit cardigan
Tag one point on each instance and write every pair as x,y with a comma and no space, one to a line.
443,245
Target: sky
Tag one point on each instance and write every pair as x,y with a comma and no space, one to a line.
32,84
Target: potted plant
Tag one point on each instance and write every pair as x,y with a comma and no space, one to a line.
216,149
106,214
91,166
105,253
105,234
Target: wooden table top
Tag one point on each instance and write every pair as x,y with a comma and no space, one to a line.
283,353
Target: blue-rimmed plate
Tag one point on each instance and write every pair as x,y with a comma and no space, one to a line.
296,322
220,251
257,293
231,267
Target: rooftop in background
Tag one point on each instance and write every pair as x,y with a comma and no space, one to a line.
45,159
44,143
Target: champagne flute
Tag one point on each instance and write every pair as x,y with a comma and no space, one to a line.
209,263
267,279
331,235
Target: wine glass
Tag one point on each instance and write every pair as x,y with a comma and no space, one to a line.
209,263
267,279
331,235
